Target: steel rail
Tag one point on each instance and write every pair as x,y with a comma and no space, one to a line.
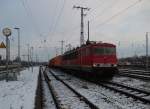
120,88
142,77
129,91
13,69
128,87
92,106
135,72
52,91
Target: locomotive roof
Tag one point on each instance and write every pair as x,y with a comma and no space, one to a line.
91,43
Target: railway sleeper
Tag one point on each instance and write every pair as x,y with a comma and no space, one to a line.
128,87
128,94
54,94
93,106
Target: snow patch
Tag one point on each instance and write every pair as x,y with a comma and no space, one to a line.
19,94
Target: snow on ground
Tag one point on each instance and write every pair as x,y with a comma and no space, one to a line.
47,97
67,98
100,96
19,94
137,83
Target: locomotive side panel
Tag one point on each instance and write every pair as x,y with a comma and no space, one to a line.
93,59
56,61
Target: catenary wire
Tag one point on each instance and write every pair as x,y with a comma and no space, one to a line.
117,14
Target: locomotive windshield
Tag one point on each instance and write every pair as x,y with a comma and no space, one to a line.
105,51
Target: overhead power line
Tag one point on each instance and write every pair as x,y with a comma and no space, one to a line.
58,17
119,13
30,16
53,14
93,9
103,10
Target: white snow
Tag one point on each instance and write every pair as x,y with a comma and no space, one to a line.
19,94
67,98
137,83
103,98
47,97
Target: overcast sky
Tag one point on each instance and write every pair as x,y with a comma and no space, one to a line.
44,23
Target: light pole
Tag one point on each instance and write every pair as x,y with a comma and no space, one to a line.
62,46
147,50
7,33
118,50
31,51
18,30
28,54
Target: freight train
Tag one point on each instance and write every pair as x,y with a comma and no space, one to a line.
93,58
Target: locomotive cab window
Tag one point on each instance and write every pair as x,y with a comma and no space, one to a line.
110,51
98,51
104,51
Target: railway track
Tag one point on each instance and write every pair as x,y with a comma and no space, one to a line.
10,70
138,74
123,95
137,94
44,84
71,95
3,68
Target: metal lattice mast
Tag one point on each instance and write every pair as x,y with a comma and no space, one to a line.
82,22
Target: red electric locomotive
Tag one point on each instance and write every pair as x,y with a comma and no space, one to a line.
93,58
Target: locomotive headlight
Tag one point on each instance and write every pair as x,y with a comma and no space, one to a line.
104,65
115,65
97,65
94,65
